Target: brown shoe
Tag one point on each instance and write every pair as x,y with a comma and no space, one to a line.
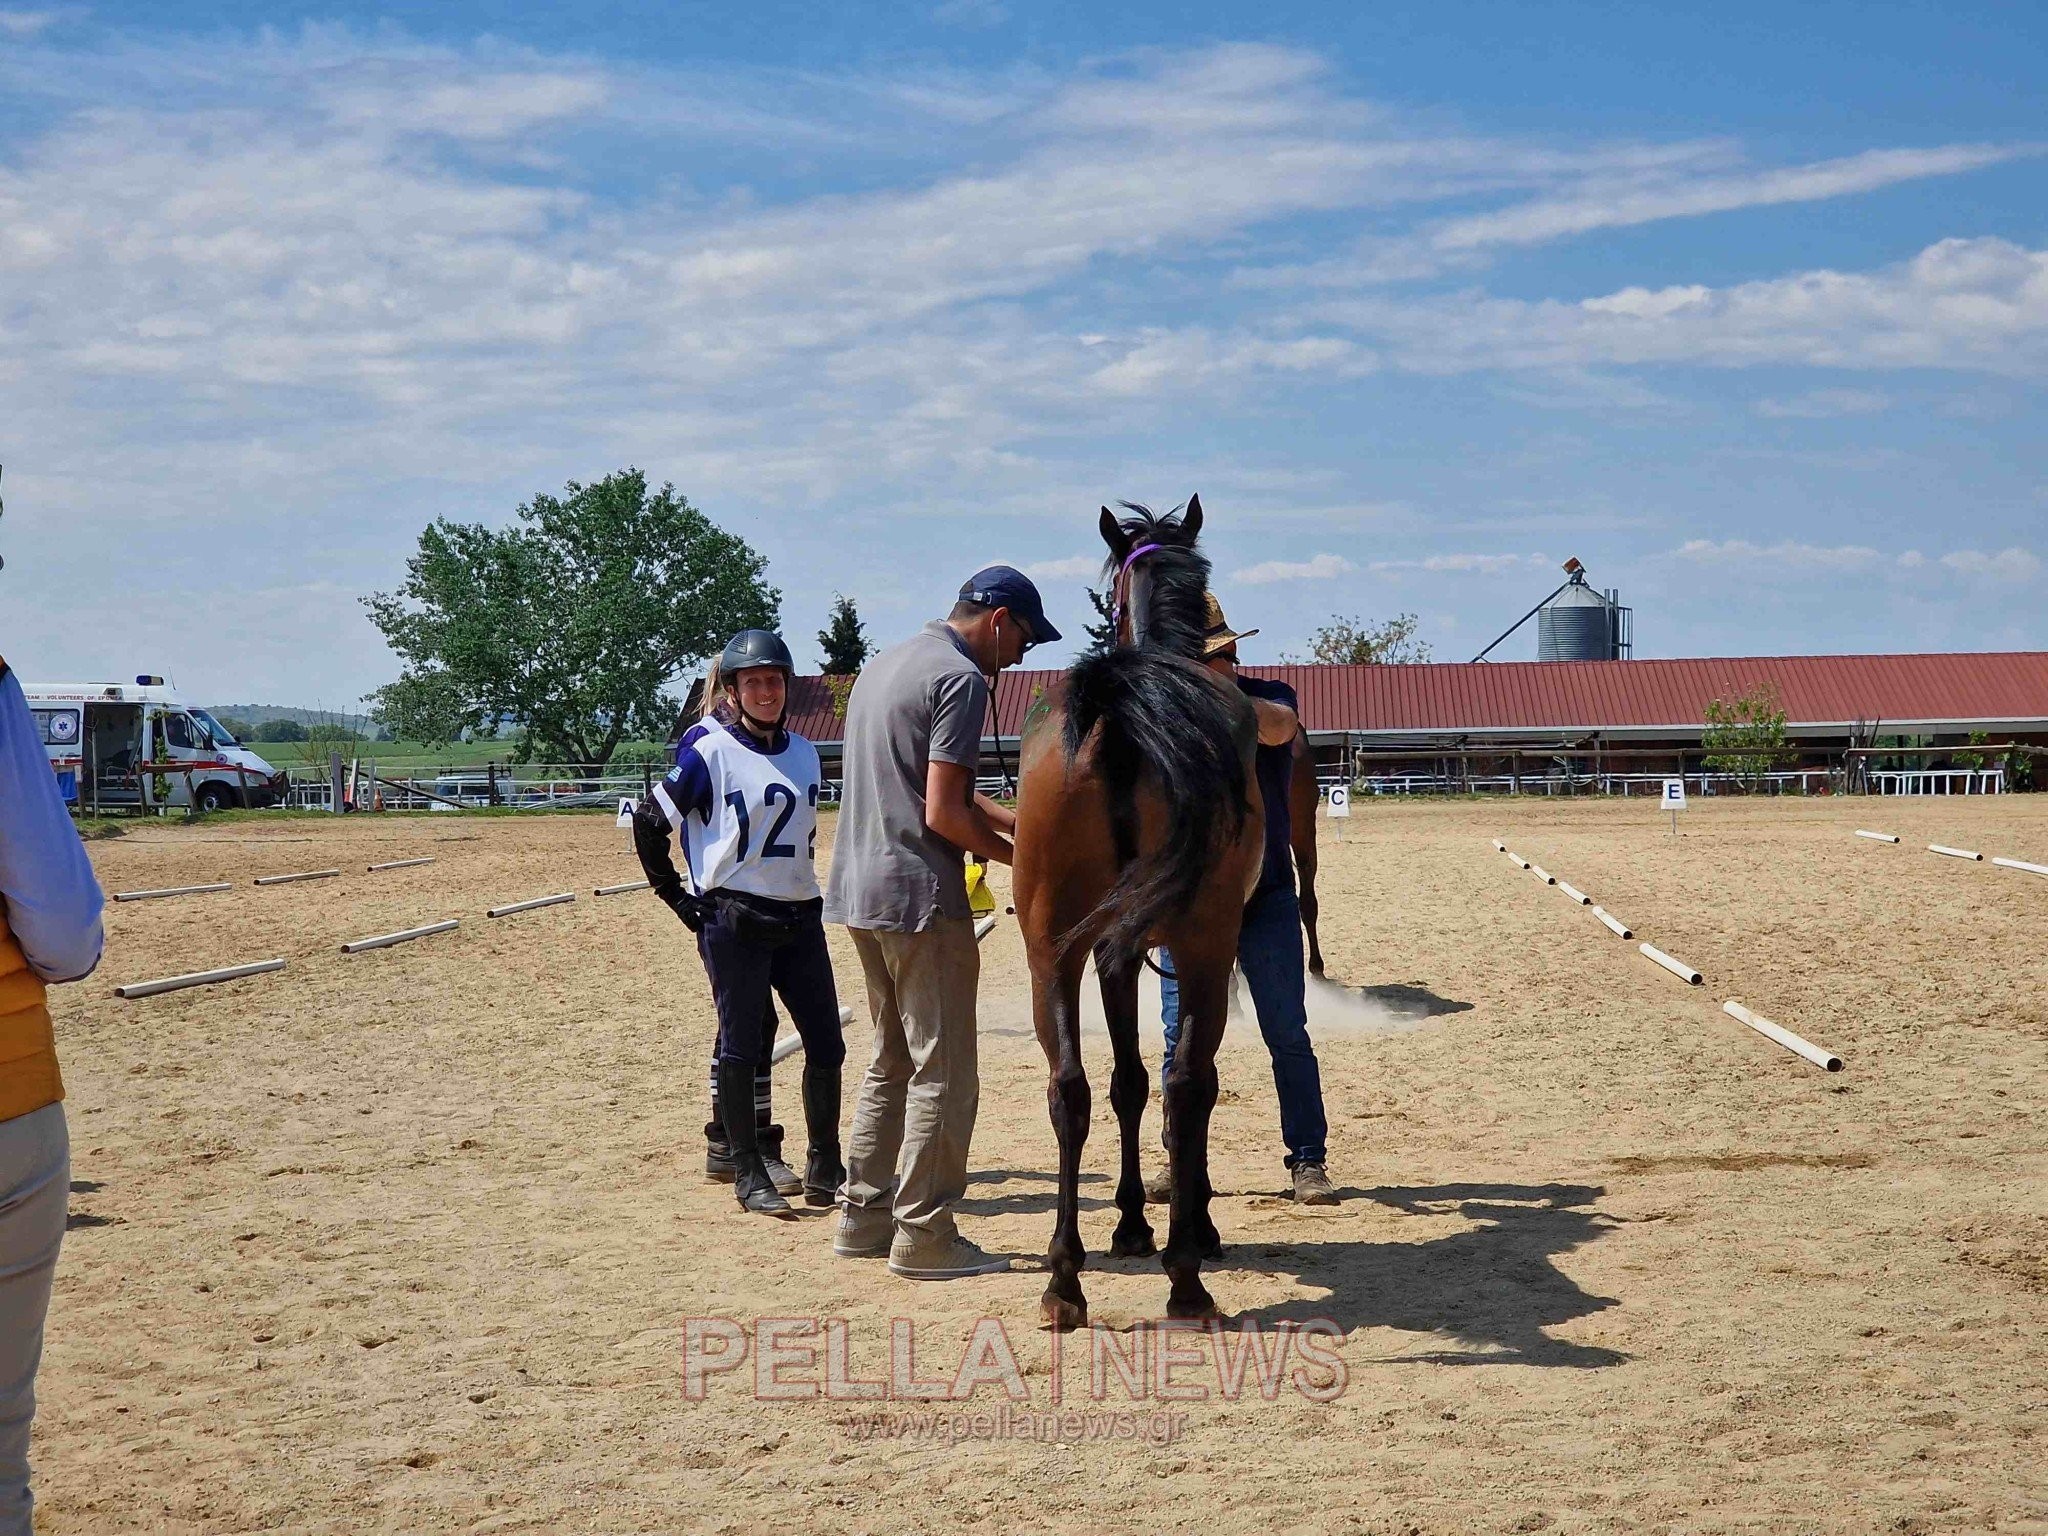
1312,1185
1159,1188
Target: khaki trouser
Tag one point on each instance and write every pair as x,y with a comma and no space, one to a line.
914,1114
35,1193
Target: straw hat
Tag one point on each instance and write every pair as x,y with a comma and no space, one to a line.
1218,635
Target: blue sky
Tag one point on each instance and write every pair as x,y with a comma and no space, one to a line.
1747,310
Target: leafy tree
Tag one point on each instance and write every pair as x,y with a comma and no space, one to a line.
840,686
279,730
1351,642
570,623
844,640
332,733
1102,633
1745,735
238,728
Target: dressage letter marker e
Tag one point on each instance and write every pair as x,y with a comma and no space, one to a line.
1674,801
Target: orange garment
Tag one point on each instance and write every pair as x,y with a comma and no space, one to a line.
28,1045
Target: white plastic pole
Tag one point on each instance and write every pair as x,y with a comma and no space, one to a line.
2032,869
196,979
1877,837
1520,860
1575,893
1955,853
1677,968
304,874
981,929
403,936
401,863
1620,928
1499,846
172,890
1827,1061
614,890
789,1045
528,906
1542,874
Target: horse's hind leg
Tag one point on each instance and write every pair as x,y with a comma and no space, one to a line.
1056,1006
1128,1090
1190,1100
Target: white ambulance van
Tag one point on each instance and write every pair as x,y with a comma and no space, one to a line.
139,747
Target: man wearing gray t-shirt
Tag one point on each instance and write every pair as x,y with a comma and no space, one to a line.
907,810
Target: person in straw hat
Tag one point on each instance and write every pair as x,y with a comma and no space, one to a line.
1269,946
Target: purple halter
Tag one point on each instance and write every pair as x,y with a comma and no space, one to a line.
1116,607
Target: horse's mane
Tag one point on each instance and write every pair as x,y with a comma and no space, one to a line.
1177,580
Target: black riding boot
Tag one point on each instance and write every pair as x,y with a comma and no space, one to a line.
824,1169
736,1108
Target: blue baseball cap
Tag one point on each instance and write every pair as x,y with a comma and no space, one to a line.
1004,586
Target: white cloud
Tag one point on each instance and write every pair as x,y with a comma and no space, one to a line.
1819,404
1486,565
1074,567
1977,304
26,23
2005,565
1323,567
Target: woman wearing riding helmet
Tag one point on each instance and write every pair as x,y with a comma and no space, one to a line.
743,798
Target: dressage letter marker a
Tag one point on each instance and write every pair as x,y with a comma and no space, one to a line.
403,936
172,890
196,979
1677,968
1827,1061
304,874
1955,853
1877,837
528,906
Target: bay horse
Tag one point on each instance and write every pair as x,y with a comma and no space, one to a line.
1139,822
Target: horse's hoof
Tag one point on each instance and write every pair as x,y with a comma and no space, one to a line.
1199,1309
1063,1316
1137,1246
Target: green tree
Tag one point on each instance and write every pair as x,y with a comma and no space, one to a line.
1351,642
332,733
570,623
1102,633
1745,735
844,640
279,730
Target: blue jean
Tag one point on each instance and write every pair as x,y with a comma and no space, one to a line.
1269,952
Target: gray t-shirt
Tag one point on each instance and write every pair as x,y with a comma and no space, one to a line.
915,702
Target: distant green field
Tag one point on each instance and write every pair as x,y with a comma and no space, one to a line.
388,754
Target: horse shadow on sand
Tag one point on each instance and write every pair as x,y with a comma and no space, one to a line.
1486,1296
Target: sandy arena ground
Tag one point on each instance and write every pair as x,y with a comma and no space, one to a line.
405,1241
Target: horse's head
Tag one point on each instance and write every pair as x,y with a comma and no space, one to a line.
1158,578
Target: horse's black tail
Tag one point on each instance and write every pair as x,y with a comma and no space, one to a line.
1165,724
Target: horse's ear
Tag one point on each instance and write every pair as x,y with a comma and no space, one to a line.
1191,520
1113,534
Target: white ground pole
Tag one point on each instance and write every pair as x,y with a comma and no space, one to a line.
1877,837
614,890
304,874
1575,893
172,890
1541,873
403,936
1955,853
528,906
1827,1061
1520,860
981,929
196,979
1620,928
1499,846
789,1045
1677,968
402,864
2032,869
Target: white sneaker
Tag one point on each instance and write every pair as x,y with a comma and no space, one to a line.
955,1259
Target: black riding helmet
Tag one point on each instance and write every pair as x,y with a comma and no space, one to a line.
756,648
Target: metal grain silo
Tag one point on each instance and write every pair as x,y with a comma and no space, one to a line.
1577,624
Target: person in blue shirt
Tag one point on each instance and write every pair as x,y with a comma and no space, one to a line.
1269,945
49,932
